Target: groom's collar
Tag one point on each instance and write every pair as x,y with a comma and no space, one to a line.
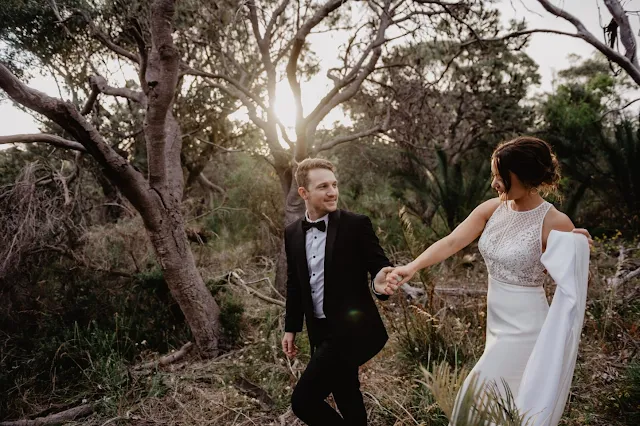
325,218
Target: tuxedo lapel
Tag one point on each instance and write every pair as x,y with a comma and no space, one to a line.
332,231
301,255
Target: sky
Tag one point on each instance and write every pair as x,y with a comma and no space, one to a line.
548,50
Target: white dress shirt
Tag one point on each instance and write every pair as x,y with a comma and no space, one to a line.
315,244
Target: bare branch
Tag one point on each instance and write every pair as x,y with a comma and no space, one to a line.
166,359
622,275
274,17
620,109
143,52
626,34
202,179
355,77
296,49
105,40
44,138
623,61
119,171
56,418
235,83
246,101
91,100
241,283
516,34
265,54
381,127
100,83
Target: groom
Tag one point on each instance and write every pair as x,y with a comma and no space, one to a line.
329,253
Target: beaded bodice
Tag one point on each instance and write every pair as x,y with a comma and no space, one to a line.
511,245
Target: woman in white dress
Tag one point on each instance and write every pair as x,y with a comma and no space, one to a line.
514,229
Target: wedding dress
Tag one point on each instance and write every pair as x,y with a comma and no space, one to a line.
529,346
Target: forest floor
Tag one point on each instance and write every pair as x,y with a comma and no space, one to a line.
251,382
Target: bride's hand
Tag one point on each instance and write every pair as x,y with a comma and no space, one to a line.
400,275
586,234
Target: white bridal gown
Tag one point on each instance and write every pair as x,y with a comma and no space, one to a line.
529,345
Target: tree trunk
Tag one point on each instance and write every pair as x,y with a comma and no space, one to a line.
294,208
173,252
158,200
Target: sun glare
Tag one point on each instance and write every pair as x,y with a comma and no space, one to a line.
285,105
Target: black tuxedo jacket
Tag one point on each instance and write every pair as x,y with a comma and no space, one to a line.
352,251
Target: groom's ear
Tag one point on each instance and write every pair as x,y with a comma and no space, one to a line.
302,191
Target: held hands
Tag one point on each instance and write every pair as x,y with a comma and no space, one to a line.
389,279
289,345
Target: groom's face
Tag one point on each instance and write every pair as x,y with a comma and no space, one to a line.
321,195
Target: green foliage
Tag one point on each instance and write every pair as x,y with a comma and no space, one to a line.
444,195
480,404
31,29
630,394
69,334
415,249
231,319
420,341
598,152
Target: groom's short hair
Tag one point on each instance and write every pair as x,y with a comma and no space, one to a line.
302,173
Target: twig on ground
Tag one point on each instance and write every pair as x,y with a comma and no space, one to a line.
167,359
237,279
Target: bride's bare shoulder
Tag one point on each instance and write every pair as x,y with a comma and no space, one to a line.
556,220
487,208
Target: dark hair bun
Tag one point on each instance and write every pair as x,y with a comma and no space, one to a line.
532,160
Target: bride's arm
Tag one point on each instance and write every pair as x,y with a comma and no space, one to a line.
558,221
462,236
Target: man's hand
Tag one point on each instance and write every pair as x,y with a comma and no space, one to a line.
381,284
288,344
586,234
401,275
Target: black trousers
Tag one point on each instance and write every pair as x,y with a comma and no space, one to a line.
329,373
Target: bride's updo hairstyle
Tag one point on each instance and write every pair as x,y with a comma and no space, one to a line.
532,160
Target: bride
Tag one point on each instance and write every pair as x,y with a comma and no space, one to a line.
514,231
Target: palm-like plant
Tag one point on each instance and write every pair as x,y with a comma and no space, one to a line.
481,404
449,189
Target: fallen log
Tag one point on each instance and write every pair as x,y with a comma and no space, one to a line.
56,418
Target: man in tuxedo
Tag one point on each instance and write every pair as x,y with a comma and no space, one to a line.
330,253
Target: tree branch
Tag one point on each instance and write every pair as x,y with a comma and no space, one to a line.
202,179
355,77
105,40
143,53
630,67
246,101
619,109
166,359
378,128
296,49
55,419
100,83
91,100
44,138
626,34
117,169
235,83
518,34
255,292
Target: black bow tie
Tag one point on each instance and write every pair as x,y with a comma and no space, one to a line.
306,225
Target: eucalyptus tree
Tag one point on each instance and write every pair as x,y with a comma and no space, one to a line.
142,34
